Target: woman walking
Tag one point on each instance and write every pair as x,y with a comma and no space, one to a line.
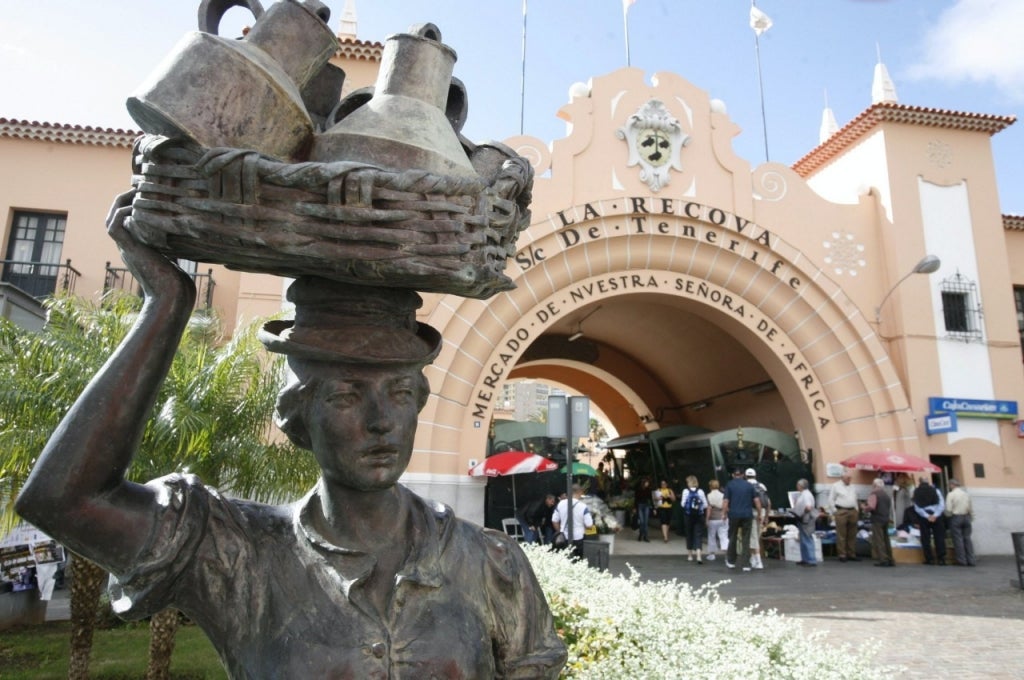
695,513
666,498
718,524
643,494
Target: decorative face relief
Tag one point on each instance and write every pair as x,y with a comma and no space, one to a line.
654,138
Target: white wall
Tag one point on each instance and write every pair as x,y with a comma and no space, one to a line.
965,367
464,494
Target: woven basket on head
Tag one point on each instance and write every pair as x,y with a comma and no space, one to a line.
341,221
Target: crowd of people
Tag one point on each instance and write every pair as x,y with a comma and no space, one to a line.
733,519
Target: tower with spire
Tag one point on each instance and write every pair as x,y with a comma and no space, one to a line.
349,21
882,87
829,126
883,90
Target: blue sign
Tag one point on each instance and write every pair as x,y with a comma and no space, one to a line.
973,408
937,424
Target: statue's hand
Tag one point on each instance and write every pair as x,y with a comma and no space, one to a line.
158,275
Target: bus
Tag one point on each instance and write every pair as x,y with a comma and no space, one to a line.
675,452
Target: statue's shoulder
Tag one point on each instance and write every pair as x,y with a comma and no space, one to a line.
188,494
499,551
463,532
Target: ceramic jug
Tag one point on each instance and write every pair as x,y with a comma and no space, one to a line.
244,93
403,124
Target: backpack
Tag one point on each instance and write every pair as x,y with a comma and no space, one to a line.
762,493
694,506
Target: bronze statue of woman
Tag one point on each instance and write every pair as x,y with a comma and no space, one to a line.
361,578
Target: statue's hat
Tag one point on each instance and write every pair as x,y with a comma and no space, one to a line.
349,323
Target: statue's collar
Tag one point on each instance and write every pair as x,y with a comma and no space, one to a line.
429,527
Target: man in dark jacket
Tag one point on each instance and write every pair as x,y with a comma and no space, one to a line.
535,518
879,506
739,505
929,507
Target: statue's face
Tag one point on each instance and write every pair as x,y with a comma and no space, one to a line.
361,422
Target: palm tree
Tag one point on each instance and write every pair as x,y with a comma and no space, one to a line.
41,374
211,419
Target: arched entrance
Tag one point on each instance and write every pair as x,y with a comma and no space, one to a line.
701,299
768,320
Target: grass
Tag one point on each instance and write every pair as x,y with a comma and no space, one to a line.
41,653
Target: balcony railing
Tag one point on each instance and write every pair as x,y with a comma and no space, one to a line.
120,278
38,279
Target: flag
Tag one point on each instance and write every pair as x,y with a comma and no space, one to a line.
759,21
626,4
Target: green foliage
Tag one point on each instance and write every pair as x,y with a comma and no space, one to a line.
41,653
212,417
587,638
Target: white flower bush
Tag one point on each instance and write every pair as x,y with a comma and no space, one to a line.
619,628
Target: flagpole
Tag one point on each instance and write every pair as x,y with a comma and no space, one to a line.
760,83
522,82
760,79
625,26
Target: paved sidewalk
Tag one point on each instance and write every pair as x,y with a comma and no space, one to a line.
937,622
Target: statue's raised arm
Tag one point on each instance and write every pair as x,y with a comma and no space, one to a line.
77,491
364,203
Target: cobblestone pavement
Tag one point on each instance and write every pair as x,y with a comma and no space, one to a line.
936,622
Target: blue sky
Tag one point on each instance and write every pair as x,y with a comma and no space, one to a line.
76,62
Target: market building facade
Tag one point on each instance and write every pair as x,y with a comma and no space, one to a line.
675,283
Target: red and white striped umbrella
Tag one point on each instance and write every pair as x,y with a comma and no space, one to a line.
889,461
512,463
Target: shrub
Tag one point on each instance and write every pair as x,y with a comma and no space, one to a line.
621,627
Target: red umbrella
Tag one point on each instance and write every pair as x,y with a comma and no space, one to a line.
512,463
889,461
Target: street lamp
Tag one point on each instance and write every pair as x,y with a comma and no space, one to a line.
579,325
929,264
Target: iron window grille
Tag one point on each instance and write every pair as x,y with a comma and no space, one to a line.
961,309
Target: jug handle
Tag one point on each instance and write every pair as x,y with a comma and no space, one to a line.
458,104
426,30
458,101
212,11
456,112
349,103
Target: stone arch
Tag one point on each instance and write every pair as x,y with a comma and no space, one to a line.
830,368
612,393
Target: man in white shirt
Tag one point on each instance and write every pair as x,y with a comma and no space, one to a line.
581,519
803,508
842,501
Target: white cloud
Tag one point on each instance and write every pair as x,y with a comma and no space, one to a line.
14,51
978,41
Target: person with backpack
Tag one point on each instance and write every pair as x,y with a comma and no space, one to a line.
695,511
740,505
